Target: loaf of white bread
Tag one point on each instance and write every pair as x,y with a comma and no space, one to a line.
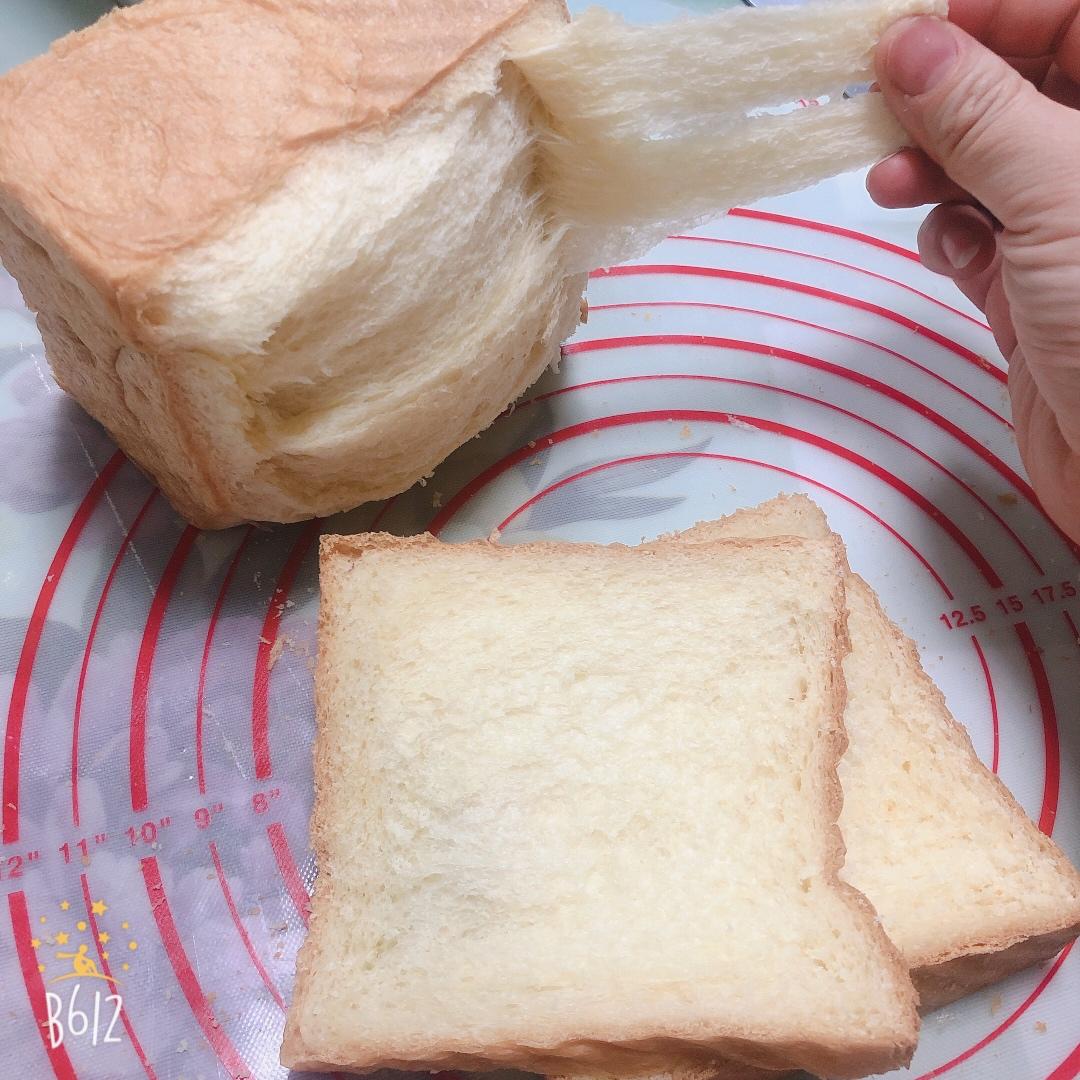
576,811
293,252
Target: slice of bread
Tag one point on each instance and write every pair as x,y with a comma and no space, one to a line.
576,811
966,885
694,129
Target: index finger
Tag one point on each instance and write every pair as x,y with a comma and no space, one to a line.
1026,28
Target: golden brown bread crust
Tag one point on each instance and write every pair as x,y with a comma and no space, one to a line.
720,1070
119,385
148,400
944,981
293,1051
977,962
136,138
973,964
742,1057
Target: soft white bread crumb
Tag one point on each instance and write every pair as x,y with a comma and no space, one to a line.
575,810
650,128
966,885
740,59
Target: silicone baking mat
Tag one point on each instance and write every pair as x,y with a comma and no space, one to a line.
156,775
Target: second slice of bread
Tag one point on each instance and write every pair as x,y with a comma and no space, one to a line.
966,886
576,811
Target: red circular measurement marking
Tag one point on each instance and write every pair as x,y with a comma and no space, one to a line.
125,1019
279,844
211,627
993,704
200,1007
1069,1069
1007,1023
140,688
90,638
704,416
260,687
217,1039
260,722
35,985
735,309
824,227
839,264
238,923
678,270
1051,744
9,813
987,508
698,454
866,381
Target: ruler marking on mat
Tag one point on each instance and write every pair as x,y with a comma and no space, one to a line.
839,264
703,455
691,415
1007,1023
32,641
76,724
245,938
140,687
260,685
839,371
125,1019
1051,743
211,627
825,227
1069,1069
720,273
200,1007
290,874
873,384
790,319
35,985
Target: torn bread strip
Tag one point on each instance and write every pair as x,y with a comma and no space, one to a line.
606,184
599,71
648,130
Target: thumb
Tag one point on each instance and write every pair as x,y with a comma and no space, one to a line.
991,130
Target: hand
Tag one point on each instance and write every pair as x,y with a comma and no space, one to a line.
992,99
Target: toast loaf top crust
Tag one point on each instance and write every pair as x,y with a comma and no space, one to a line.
142,135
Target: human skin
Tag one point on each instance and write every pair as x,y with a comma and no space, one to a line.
991,99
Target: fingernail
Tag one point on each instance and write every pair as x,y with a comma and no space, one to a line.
959,248
919,53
